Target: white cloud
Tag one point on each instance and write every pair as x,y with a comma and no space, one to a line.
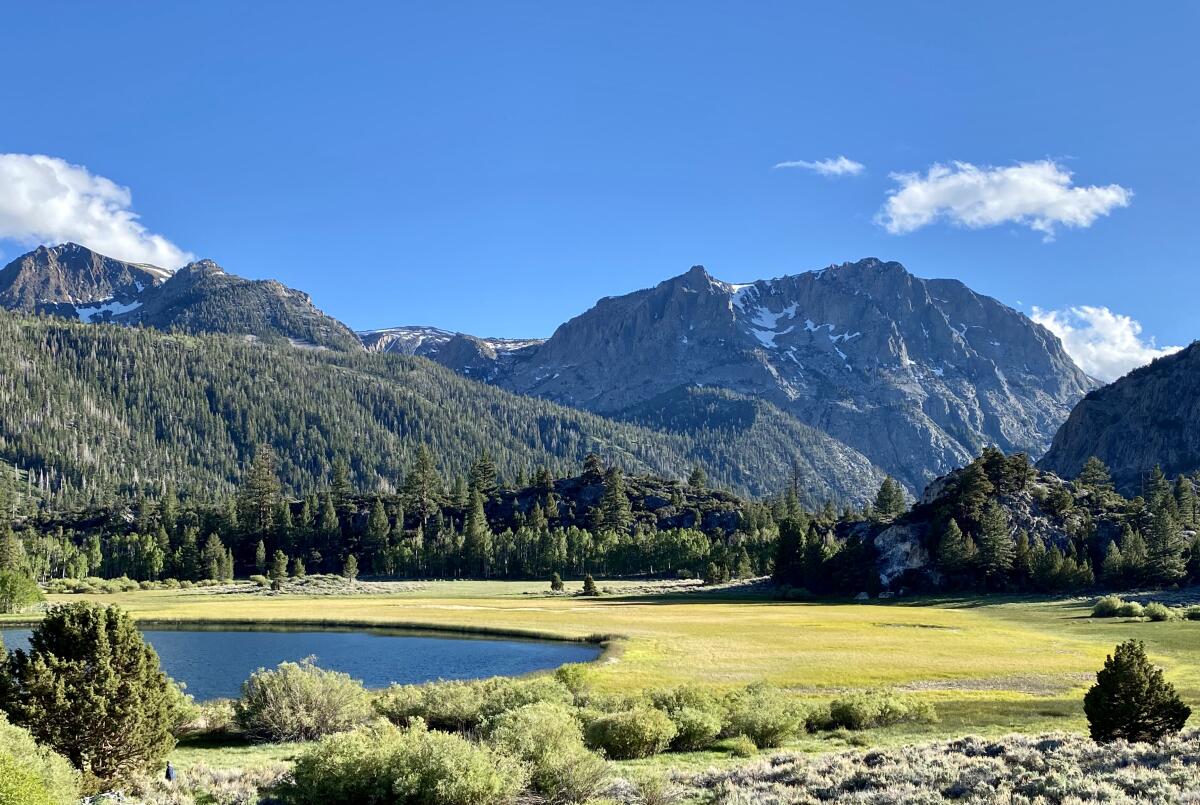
1104,344
47,200
1039,195
835,166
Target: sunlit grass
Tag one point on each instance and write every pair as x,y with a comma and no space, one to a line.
991,666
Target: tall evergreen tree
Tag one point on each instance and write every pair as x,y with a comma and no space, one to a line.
483,476
378,530
423,489
258,497
615,512
477,539
889,501
995,544
1165,560
1095,475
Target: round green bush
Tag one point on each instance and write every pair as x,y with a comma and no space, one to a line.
299,702
1158,612
1107,607
1193,614
383,765
694,728
636,733
547,737
1130,609
766,715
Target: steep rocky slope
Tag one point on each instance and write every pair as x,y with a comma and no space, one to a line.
74,281
1149,417
917,375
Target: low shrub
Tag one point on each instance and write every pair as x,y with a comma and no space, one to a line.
860,711
299,701
766,715
742,746
697,713
383,765
1130,609
260,580
1158,612
465,705
548,739
31,774
213,719
694,728
631,734
1107,607
656,789
1192,614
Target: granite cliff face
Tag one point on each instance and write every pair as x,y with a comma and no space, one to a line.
1150,417
917,375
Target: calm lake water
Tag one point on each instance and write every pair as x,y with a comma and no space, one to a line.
214,662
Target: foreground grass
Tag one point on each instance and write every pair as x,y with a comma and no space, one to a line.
990,666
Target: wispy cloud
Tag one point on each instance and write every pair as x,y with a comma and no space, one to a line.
1040,195
834,166
47,200
1104,344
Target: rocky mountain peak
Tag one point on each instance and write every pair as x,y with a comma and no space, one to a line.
917,374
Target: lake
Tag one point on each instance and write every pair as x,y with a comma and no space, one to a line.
213,662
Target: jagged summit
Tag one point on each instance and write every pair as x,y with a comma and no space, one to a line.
917,374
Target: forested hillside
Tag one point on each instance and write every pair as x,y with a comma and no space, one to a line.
96,411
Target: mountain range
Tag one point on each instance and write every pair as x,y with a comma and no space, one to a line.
917,375
855,370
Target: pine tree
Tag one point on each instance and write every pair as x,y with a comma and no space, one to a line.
1185,501
697,479
258,497
1131,701
91,688
789,557
378,529
279,566
973,490
593,469
1095,475
329,526
1165,562
340,487
477,540
589,586
889,501
955,551
212,557
1022,568
298,570
260,558
423,489
1112,569
350,568
556,582
1134,556
995,544
483,476
615,512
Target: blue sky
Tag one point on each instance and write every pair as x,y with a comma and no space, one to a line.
496,167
